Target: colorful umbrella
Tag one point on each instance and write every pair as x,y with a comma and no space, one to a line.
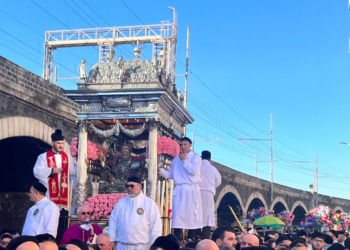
268,221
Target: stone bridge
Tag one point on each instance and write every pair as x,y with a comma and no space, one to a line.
245,192
32,108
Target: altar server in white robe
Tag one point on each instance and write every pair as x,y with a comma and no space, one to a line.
187,205
134,223
210,180
53,169
42,218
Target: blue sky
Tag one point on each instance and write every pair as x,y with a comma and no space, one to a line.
286,57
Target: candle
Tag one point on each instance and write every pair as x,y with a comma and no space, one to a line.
144,187
165,228
162,199
171,187
158,195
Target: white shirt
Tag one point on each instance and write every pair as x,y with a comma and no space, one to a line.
42,218
135,221
210,177
187,172
42,171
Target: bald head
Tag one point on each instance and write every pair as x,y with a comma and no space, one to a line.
250,240
104,242
48,245
29,245
207,245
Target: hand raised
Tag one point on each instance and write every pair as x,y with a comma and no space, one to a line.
182,156
57,170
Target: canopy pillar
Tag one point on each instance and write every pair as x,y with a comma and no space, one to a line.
152,160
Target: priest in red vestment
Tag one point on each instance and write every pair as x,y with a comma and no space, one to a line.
84,230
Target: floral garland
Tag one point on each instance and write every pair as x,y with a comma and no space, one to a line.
166,145
101,205
115,130
325,217
74,147
93,150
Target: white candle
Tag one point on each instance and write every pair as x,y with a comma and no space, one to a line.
162,198
171,187
144,187
158,189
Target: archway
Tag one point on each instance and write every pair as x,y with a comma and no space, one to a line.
225,217
279,205
338,209
255,200
18,156
299,210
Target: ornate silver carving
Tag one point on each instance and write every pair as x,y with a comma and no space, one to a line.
116,130
133,132
91,107
82,124
82,69
149,188
80,192
144,106
116,103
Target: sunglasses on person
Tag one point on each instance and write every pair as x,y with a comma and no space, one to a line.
130,186
85,213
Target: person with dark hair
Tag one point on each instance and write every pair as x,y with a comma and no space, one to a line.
210,180
261,236
328,241
317,241
238,234
53,169
271,243
5,239
23,243
42,218
341,237
259,229
250,240
167,243
76,245
270,228
224,237
302,234
92,247
135,220
298,244
333,234
283,241
270,235
46,242
187,202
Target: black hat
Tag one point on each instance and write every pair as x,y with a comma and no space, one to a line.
296,242
79,244
57,136
186,139
341,232
6,236
206,155
336,246
335,233
39,187
317,235
45,237
347,243
328,239
166,243
134,179
16,242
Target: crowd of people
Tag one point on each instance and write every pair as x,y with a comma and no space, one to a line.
135,222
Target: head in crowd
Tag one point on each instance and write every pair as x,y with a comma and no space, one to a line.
104,242
134,186
239,235
93,247
250,240
168,242
317,241
37,192
328,240
336,246
207,245
261,236
224,237
333,234
269,228
269,235
298,244
5,239
46,242
83,213
341,237
259,230
76,245
57,141
206,155
23,243
186,145
283,242
302,234
271,243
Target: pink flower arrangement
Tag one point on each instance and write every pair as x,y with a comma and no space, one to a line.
101,205
92,151
166,145
73,147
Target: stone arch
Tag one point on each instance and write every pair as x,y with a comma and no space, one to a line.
279,199
252,197
225,190
299,203
338,208
24,126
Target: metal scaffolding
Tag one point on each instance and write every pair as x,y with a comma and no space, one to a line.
163,36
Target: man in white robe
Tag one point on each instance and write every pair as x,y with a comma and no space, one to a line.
42,218
134,223
53,169
187,205
210,180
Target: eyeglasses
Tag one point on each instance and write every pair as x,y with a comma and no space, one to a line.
130,186
84,213
318,241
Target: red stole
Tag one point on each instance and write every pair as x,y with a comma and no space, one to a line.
58,195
